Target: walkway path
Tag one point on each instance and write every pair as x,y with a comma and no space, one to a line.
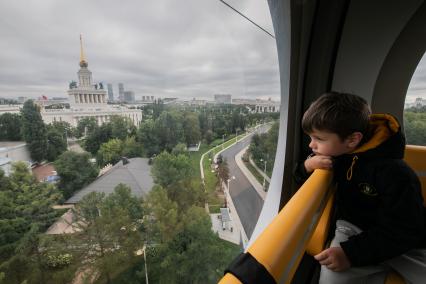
262,173
252,179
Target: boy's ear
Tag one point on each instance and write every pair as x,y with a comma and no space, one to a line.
354,139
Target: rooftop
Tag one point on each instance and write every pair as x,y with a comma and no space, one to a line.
136,174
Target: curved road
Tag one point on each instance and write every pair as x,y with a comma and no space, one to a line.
246,200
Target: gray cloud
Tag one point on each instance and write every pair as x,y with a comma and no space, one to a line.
192,48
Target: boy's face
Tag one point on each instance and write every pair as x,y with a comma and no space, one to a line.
329,144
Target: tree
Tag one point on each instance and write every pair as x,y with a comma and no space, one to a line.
263,147
191,126
157,108
75,171
271,145
193,255
169,130
223,172
122,127
34,131
164,212
169,169
86,125
26,212
56,142
208,136
110,230
99,135
132,148
180,149
110,152
10,127
147,135
415,126
238,121
63,127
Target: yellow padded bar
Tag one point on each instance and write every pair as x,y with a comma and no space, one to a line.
317,242
229,279
280,247
282,244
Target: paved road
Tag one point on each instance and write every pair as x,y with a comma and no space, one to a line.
246,200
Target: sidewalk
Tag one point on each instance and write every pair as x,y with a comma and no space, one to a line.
255,183
259,170
238,234
225,234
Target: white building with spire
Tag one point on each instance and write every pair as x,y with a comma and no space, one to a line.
88,99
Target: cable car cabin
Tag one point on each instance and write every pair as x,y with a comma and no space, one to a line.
369,48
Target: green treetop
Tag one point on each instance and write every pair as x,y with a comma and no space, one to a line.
34,131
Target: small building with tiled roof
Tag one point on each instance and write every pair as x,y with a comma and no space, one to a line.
134,172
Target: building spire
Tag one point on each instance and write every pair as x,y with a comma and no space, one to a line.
83,62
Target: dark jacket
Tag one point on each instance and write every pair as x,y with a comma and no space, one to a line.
378,192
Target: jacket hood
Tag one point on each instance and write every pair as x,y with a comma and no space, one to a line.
383,141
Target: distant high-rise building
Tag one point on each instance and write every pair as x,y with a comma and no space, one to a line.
129,96
110,93
120,92
223,99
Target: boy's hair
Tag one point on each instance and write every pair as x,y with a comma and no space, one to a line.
339,113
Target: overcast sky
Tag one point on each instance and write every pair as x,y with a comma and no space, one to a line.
417,88
164,48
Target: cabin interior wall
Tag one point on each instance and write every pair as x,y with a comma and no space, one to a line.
400,65
369,32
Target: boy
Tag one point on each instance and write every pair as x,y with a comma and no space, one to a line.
381,219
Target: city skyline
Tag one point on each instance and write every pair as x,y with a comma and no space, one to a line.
165,48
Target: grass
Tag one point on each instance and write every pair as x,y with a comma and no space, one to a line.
195,159
215,208
256,174
210,178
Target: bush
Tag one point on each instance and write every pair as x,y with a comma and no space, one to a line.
58,261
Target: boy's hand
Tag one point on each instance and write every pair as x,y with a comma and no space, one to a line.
333,258
318,162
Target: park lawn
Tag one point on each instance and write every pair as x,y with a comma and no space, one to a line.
215,208
256,174
210,178
195,159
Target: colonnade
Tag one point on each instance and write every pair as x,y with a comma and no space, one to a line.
89,98
267,108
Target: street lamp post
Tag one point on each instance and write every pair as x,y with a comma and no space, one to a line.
228,181
66,138
146,268
236,135
223,140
